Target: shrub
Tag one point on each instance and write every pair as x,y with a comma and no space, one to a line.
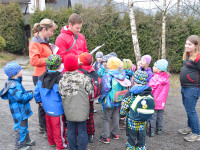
11,27
2,43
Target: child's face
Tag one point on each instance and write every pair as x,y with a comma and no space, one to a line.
156,70
144,63
99,60
19,74
105,65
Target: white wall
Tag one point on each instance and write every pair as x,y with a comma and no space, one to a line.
34,5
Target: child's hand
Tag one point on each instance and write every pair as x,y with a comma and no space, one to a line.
30,95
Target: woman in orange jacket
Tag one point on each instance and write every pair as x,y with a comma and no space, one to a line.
39,50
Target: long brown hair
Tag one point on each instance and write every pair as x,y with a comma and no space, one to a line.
194,39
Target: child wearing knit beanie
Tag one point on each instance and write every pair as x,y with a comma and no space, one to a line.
87,68
51,102
111,108
160,88
75,89
136,125
18,100
97,65
145,62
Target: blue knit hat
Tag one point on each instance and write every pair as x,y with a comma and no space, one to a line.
12,69
161,64
140,77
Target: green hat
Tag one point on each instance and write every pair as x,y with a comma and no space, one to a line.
127,64
53,62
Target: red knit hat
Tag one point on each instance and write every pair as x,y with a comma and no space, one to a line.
71,62
86,58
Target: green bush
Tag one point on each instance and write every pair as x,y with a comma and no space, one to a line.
2,43
11,27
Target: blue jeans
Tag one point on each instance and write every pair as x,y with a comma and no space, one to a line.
82,135
190,96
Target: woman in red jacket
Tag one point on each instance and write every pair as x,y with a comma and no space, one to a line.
39,50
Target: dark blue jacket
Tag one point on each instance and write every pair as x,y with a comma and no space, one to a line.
47,92
18,99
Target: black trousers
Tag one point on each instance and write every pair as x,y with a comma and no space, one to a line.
41,113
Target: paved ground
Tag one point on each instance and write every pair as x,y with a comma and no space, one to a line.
174,119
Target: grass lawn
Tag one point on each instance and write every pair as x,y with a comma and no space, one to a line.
6,57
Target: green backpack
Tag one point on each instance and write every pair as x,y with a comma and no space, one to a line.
142,108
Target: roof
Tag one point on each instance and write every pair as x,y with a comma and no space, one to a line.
20,1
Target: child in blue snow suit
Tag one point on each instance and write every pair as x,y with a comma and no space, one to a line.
19,104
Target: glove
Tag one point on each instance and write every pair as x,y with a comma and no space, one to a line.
30,95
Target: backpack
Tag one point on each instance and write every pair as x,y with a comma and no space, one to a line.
96,83
142,108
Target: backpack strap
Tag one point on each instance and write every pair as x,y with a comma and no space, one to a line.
76,37
83,70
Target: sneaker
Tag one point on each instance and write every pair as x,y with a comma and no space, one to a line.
104,140
91,138
95,111
24,148
159,131
116,137
152,134
185,131
193,137
41,130
30,143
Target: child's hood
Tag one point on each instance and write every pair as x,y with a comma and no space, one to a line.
141,90
162,77
48,79
119,74
9,84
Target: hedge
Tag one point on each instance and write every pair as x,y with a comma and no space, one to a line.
11,27
105,25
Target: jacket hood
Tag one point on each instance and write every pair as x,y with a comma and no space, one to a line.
141,90
38,39
162,77
7,85
66,30
48,79
119,74
88,68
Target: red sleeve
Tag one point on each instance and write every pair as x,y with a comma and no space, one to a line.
62,45
85,46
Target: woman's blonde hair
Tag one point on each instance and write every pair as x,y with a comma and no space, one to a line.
194,39
44,23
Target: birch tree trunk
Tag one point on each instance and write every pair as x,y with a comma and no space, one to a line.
134,31
163,53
